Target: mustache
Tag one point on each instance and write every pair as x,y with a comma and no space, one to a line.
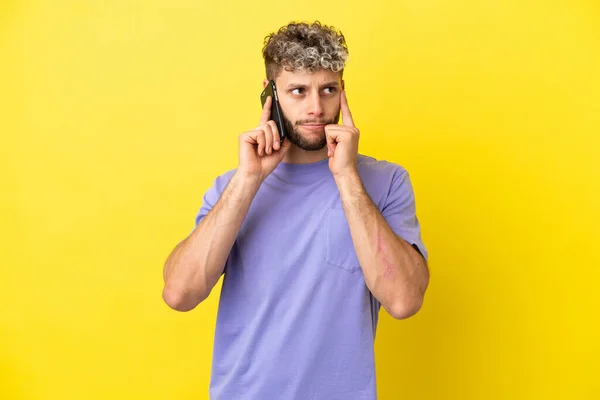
316,122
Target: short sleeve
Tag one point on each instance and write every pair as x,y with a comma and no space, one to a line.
212,195
399,211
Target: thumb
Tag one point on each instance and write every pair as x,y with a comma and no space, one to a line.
331,137
331,149
284,147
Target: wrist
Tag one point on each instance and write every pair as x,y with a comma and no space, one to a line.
348,176
349,185
248,181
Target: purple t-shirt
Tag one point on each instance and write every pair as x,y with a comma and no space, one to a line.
296,320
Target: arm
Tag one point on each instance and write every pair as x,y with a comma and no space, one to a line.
395,273
194,267
196,264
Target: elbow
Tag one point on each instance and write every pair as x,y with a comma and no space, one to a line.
180,300
407,305
405,309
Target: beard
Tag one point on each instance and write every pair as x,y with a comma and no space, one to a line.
294,135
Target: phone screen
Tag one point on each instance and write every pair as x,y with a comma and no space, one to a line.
276,114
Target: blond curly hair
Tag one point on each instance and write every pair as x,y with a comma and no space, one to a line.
303,46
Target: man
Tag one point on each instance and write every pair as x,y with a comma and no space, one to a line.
312,239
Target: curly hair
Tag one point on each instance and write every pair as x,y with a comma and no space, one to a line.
300,46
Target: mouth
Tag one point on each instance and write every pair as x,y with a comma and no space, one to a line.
313,127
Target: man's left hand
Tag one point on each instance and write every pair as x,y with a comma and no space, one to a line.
342,143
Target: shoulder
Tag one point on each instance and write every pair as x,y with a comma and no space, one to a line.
370,168
384,181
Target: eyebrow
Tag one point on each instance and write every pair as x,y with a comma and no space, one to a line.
299,85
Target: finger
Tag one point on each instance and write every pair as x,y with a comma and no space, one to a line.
346,114
266,112
331,149
284,147
334,132
260,141
331,135
269,137
285,144
250,136
339,129
343,132
275,136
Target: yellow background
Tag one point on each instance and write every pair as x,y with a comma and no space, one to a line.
115,116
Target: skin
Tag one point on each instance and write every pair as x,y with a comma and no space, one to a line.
395,273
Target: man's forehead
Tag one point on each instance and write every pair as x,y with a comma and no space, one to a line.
304,77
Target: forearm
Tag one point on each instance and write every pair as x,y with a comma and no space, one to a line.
196,264
394,272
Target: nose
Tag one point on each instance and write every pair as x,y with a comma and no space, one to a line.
315,106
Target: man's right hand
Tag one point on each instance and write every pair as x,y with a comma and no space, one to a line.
260,150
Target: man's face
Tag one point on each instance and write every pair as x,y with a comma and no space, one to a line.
309,101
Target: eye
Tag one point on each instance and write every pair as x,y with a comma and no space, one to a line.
297,91
329,90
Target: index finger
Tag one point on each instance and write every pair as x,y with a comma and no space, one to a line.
266,112
346,114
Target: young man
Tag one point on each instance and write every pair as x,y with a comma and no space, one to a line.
312,239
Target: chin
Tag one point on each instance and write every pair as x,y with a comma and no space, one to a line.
314,136
314,139
308,139
315,144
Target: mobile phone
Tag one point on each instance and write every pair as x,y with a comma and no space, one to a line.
276,113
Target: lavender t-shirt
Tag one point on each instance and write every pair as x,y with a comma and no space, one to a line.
296,320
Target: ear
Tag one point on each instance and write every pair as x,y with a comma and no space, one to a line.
265,83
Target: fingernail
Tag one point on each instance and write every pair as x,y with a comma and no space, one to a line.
276,146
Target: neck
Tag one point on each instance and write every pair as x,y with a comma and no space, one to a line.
295,155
